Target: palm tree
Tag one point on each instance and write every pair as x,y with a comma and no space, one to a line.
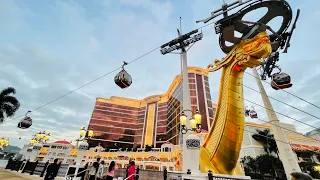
267,139
8,103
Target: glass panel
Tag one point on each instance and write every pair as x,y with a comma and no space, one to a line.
191,75
193,93
201,103
192,86
194,101
192,80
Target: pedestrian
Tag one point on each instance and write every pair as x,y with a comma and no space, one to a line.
131,171
94,169
112,167
137,173
52,170
128,168
300,176
165,173
100,172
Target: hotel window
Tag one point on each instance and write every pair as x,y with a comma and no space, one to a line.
193,93
194,101
192,86
191,75
192,81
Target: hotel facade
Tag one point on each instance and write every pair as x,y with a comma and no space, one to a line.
120,122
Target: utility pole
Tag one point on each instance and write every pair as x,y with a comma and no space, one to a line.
286,154
190,159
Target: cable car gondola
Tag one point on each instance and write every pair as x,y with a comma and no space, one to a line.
251,113
280,81
26,122
123,79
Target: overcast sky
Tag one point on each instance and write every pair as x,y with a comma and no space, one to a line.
48,48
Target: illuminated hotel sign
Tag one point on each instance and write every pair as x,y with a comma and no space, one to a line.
181,42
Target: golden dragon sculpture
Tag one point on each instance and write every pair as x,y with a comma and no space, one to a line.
220,150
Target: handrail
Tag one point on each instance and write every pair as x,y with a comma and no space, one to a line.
74,175
130,176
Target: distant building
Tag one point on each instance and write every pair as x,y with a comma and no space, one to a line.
298,142
120,122
315,134
168,155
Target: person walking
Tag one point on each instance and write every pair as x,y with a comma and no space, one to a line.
131,171
112,167
128,168
165,173
52,170
137,173
94,169
100,172
300,176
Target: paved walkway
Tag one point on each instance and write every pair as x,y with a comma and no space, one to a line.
13,175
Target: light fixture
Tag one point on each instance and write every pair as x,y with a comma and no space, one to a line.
90,133
197,117
42,135
38,136
6,142
47,137
82,132
195,122
32,141
183,119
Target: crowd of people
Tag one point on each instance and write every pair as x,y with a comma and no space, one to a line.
98,171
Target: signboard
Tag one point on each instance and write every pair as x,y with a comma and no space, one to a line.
179,43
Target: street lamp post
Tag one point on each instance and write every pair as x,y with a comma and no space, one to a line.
81,149
4,143
195,122
183,41
40,138
82,137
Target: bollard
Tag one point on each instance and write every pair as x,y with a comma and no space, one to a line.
210,177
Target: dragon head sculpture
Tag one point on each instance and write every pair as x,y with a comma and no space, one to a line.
247,53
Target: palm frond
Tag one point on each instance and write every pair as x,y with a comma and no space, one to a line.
7,91
9,110
11,100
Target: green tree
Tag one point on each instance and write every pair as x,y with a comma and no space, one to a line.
308,167
8,103
261,165
267,140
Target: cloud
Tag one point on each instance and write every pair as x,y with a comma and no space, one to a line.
49,51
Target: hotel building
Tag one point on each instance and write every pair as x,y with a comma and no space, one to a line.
120,122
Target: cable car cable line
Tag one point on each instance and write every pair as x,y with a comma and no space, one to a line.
284,103
281,114
66,94
286,91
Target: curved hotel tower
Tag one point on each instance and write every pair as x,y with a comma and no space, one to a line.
120,122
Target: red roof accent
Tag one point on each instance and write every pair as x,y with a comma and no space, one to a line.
303,147
62,142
